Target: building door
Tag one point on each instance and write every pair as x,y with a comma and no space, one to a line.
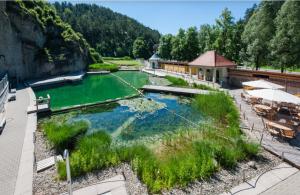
153,64
218,76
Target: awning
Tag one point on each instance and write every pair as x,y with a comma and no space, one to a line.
262,84
274,95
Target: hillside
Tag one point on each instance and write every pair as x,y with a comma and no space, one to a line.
35,42
110,33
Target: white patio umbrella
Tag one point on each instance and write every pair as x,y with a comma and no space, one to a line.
274,95
262,84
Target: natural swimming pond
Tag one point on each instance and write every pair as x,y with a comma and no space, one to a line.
137,118
93,89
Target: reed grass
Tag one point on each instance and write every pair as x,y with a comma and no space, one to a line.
64,135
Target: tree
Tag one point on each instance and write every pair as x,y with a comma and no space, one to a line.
224,42
178,46
259,31
165,47
140,48
191,44
110,33
286,43
207,37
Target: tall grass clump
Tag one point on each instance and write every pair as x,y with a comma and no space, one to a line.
64,135
177,81
93,152
203,87
219,106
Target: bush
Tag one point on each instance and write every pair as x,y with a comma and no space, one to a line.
177,81
63,135
202,86
103,66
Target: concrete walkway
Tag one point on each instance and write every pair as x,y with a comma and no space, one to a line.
290,186
177,90
59,79
112,186
267,182
14,142
289,152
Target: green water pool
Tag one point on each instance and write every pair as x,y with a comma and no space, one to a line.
93,88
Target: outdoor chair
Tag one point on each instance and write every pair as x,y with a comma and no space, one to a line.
272,131
287,134
259,113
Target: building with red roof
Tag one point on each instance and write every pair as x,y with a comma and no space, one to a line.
212,67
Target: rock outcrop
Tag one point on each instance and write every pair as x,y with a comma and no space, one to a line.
29,49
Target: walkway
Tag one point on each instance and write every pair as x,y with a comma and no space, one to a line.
11,145
267,181
177,90
112,186
283,149
59,79
289,186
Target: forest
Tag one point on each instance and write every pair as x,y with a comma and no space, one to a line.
267,36
110,33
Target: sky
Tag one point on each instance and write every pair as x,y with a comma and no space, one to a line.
167,16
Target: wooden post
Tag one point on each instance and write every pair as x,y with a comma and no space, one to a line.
261,138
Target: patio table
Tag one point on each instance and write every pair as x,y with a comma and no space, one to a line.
278,126
262,107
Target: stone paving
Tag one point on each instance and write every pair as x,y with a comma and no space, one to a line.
11,141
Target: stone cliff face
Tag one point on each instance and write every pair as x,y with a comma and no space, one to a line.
26,47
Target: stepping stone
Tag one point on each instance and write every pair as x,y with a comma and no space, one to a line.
47,163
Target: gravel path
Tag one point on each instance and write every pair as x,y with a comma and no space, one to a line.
46,182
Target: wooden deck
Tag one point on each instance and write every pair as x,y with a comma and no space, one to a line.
41,108
254,127
175,90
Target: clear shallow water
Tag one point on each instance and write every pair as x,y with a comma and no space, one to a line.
141,118
94,88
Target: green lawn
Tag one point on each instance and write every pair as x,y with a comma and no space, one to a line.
293,69
122,61
104,66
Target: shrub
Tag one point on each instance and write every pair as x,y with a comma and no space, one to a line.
177,81
202,86
64,135
103,66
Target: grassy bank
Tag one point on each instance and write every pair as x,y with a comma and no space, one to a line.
178,158
179,82
123,61
104,66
